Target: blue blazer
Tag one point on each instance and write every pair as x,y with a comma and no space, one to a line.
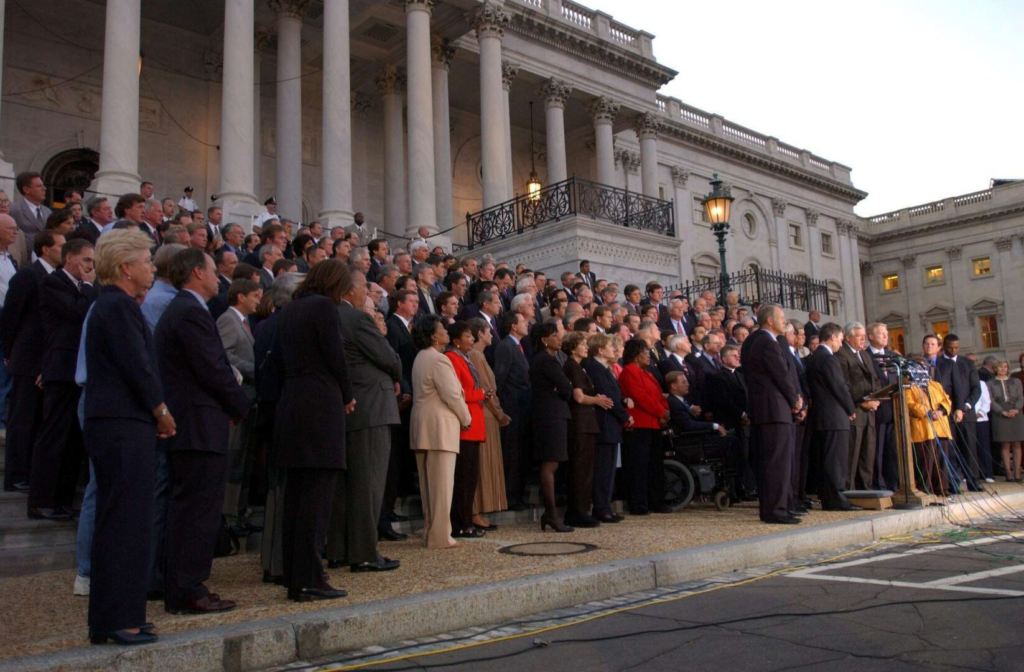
611,421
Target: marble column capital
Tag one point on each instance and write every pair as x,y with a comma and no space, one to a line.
603,110
262,38
291,8
812,216
909,261
556,92
389,80
953,251
779,206
866,268
1004,244
509,70
422,5
360,102
679,176
441,52
646,125
490,21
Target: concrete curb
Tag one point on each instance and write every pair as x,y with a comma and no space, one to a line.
272,642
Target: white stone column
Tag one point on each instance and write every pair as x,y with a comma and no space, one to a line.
1010,270
422,203
389,83
556,93
442,54
858,291
119,113
814,245
603,111
289,106
6,169
262,40
337,118
509,71
489,22
781,234
848,275
683,215
237,116
646,126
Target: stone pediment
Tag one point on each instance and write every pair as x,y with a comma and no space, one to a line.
985,306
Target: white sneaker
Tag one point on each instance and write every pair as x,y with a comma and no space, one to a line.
990,480
82,585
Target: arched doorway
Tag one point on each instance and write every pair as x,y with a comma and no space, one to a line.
70,169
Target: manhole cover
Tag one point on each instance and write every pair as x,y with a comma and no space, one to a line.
548,548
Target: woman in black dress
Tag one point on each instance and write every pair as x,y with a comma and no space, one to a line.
551,392
124,416
309,427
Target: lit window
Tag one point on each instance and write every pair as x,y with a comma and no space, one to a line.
982,266
826,244
989,332
940,329
891,282
934,275
796,236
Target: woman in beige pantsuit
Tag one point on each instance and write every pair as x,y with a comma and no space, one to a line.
439,412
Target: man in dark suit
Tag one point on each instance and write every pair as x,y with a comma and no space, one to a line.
488,307
57,457
378,258
512,379
959,378
681,416
227,262
811,328
98,213
886,460
205,397
833,411
703,365
677,349
727,400
21,333
655,292
861,380
585,274
798,375
29,212
772,402
675,319
375,371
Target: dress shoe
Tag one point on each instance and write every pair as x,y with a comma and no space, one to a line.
581,520
785,520
48,514
391,535
382,564
208,604
397,517
471,533
310,594
613,518
271,578
798,511
123,638
21,487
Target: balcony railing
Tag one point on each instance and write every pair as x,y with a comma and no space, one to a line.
795,292
574,196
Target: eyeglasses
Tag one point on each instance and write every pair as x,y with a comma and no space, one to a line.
4,201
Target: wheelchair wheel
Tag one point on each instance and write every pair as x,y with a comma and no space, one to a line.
722,500
679,485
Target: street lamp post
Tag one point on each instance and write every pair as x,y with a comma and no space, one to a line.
716,211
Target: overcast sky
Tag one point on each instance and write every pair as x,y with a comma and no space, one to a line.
923,99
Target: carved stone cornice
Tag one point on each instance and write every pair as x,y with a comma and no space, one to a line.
844,226
388,80
631,160
953,252
555,92
441,51
779,206
646,125
679,176
812,216
946,226
425,5
603,110
295,9
490,21
865,268
1004,244
509,70
909,260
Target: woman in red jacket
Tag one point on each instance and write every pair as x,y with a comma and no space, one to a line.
467,466
643,457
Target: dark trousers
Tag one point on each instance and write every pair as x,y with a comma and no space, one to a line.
806,446
23,421
984,435
637,456
400,474
358,493
794,474
887,468
307,514
966,440
467,477
604,478
861,456
746,482
833,445
198,479
515,450
774,464
57,457
123,454
581,472
161,503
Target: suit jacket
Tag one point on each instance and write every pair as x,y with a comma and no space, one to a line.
87,230
426,303
884,412
62,308
364,233
374,272
960,381
400,340
238,345
665,324
669,363
310,420
861,380
21,324
771,392
29,224
727,397
810,329
681,417
200,388
374,369
589,278
830,396
266,278
551,389
439,407
269,377
798,370
704,370
512,377
610,422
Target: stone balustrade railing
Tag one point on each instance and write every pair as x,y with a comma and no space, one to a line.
677,110
945,208
602,25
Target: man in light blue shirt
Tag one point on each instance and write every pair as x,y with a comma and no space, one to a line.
162,292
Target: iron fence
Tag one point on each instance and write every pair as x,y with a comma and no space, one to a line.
788,290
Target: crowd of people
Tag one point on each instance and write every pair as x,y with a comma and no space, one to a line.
194,371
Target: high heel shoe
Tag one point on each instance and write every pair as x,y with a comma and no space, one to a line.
555,524
123,637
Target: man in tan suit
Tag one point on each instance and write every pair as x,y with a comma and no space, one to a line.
861,379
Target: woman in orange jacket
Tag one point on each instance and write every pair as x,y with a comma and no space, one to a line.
929,431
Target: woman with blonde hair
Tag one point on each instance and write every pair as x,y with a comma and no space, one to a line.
1007,419
490,491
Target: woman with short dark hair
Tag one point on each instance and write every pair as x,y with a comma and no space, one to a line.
642,455
550,419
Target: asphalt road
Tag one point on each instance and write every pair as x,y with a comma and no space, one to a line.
907,606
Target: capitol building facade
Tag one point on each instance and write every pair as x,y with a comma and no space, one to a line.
440,113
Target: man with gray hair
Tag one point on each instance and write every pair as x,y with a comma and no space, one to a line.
419,250
524,305
98,214
233,236
861,380
359,259
268,254
423,274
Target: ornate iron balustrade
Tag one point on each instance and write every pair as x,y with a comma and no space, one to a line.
573,196
796,292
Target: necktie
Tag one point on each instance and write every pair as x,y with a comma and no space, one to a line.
245,325
521,349
410,327
39,216
79,285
